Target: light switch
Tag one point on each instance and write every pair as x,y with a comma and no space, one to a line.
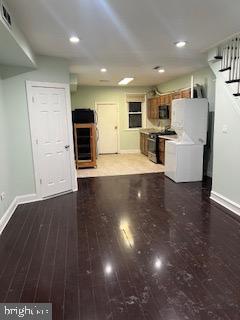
225,128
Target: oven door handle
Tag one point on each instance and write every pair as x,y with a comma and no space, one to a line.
149,139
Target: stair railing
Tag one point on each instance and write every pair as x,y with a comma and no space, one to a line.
229,54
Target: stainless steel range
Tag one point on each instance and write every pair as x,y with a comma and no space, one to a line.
153,147
153,144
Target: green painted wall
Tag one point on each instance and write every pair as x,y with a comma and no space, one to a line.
87,96
17,175
4,153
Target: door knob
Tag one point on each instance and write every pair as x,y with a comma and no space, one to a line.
115,127
67,147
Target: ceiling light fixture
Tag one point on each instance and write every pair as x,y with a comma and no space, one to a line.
74,39
161,70
125,81
180,44
103,70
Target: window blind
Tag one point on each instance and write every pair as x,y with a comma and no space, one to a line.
135,97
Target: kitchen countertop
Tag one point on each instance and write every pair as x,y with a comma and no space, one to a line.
171,137
148,131
152,130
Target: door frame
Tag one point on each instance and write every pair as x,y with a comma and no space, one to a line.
118,120
29,86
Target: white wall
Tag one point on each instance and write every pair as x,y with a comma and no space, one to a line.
4,153
226,161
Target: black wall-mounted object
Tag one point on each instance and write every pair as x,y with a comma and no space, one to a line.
83,116
164,112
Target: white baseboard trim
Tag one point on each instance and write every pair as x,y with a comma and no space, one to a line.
225,202
7,215
28,198
13,206
129,151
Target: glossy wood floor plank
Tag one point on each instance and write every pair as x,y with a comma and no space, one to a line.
127,247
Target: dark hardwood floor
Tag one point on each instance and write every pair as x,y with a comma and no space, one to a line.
127,247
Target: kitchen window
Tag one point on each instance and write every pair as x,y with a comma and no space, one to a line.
134,115
135,111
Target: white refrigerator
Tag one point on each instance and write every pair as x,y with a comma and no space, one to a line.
184,156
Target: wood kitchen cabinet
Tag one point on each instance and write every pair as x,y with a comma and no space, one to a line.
144,143
154,103
186,94
161,149
165,99
168,99
176,95
153,110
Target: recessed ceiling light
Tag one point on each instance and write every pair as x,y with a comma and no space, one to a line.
125,81
74,39
103,70
180,44
161,70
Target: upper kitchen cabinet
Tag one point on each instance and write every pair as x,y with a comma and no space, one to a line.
186,94
155,103
153,108
165,100
176,95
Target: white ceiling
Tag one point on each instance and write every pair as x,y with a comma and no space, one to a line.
128,37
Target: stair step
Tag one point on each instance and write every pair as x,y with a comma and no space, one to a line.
218,57
233,81
225,69
236,94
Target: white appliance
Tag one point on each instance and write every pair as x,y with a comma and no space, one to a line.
184,156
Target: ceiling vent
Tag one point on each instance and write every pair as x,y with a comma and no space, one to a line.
6,15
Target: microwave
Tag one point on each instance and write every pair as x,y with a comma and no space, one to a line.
164,112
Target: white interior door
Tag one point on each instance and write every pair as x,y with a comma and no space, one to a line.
49,112
107,128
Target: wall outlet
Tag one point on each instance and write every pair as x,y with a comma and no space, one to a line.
2,196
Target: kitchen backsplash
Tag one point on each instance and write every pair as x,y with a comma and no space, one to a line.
158,124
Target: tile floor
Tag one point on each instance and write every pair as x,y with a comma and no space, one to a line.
121,164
